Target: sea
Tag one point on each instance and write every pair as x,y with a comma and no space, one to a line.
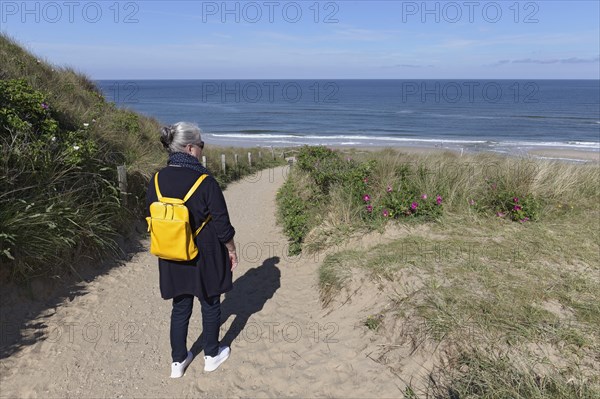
505,116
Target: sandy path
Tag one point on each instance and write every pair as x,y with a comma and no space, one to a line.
114,340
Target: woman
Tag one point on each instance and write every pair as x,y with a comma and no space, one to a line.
208,275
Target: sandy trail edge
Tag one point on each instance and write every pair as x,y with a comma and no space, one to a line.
114,340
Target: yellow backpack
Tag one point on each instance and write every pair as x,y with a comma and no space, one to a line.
171,235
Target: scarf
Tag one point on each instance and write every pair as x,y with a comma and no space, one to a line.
188,161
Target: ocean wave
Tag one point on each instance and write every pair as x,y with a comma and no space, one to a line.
576,118
391,130
257,131
585,143
462,116
253,136
239,135
590,145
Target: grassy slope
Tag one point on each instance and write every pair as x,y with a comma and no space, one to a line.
55,211
514,305
130,136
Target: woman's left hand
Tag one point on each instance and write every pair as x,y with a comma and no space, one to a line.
234,260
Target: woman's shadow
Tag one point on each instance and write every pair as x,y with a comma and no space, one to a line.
250,293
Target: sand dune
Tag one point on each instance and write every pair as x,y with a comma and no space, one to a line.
113,340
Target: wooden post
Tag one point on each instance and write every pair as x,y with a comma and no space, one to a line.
223,165
236,166
259,156
249,159
283,155
204,160
273,153
122,176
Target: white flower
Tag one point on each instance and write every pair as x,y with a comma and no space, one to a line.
53,139
86,124
76,147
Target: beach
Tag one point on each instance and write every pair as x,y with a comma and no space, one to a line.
565,154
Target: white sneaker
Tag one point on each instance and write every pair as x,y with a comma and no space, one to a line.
177,368
211,363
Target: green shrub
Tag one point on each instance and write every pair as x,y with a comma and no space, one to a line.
58,194
504,202
326,168
402,201
24,110
293,214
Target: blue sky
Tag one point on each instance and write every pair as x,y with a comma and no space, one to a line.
309,39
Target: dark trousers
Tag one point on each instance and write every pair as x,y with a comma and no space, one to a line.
180,319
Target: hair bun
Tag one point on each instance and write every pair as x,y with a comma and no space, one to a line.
166,136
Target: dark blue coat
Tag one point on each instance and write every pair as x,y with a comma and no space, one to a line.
210,273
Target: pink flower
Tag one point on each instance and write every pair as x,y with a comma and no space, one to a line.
414,206
389,189
524,220
438,199
365,180
45,106
369,208
517,208
500,214
386,213
471,202
367,198
515,199
348,159
424,196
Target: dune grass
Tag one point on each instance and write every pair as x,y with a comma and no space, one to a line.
514,302
492,375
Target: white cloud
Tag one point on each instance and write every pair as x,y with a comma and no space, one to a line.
571,60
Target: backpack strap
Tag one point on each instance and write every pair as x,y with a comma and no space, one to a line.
202,226
158,194
190,193
194,187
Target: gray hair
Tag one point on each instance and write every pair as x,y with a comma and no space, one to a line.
176,137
